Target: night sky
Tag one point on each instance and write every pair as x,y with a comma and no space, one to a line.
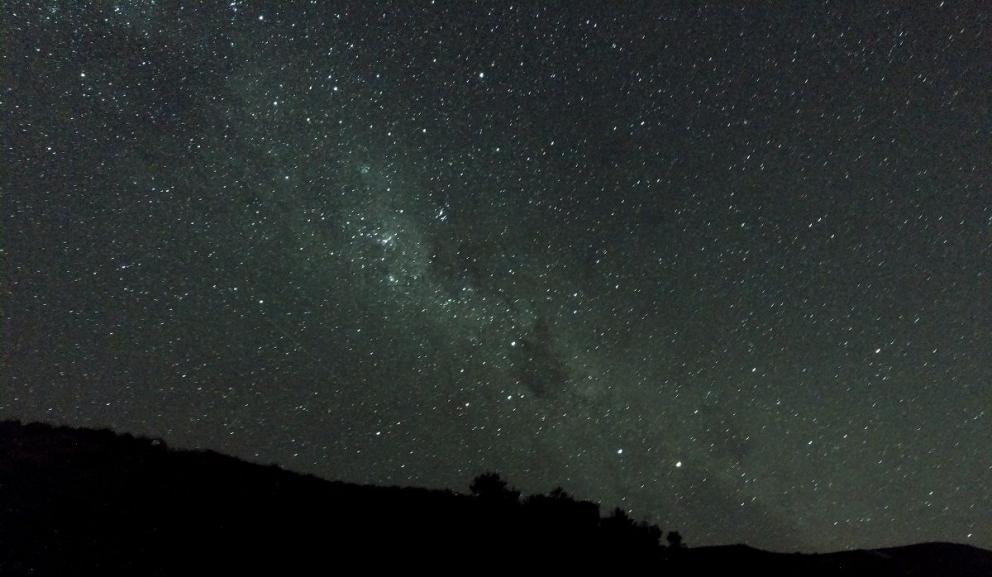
728,266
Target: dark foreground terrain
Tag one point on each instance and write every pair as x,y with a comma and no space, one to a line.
86,502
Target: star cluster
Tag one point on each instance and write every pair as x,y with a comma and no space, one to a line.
727,266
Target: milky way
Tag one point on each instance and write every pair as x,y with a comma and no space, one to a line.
727,267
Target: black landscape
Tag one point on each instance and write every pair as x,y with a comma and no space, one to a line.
83,501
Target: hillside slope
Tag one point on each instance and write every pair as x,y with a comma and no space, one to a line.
78,501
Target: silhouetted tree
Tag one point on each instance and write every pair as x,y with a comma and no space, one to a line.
675,540
651,534
493,488
620,517
620,531
617,527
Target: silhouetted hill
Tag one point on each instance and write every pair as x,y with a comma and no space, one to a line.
81,502
921,560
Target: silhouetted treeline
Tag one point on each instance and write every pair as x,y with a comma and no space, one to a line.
85,502
556,522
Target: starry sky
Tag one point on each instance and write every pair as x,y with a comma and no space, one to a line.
726,265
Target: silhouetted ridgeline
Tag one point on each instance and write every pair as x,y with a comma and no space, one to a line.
78,502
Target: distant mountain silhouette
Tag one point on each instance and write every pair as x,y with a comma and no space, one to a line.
88,502
921,560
